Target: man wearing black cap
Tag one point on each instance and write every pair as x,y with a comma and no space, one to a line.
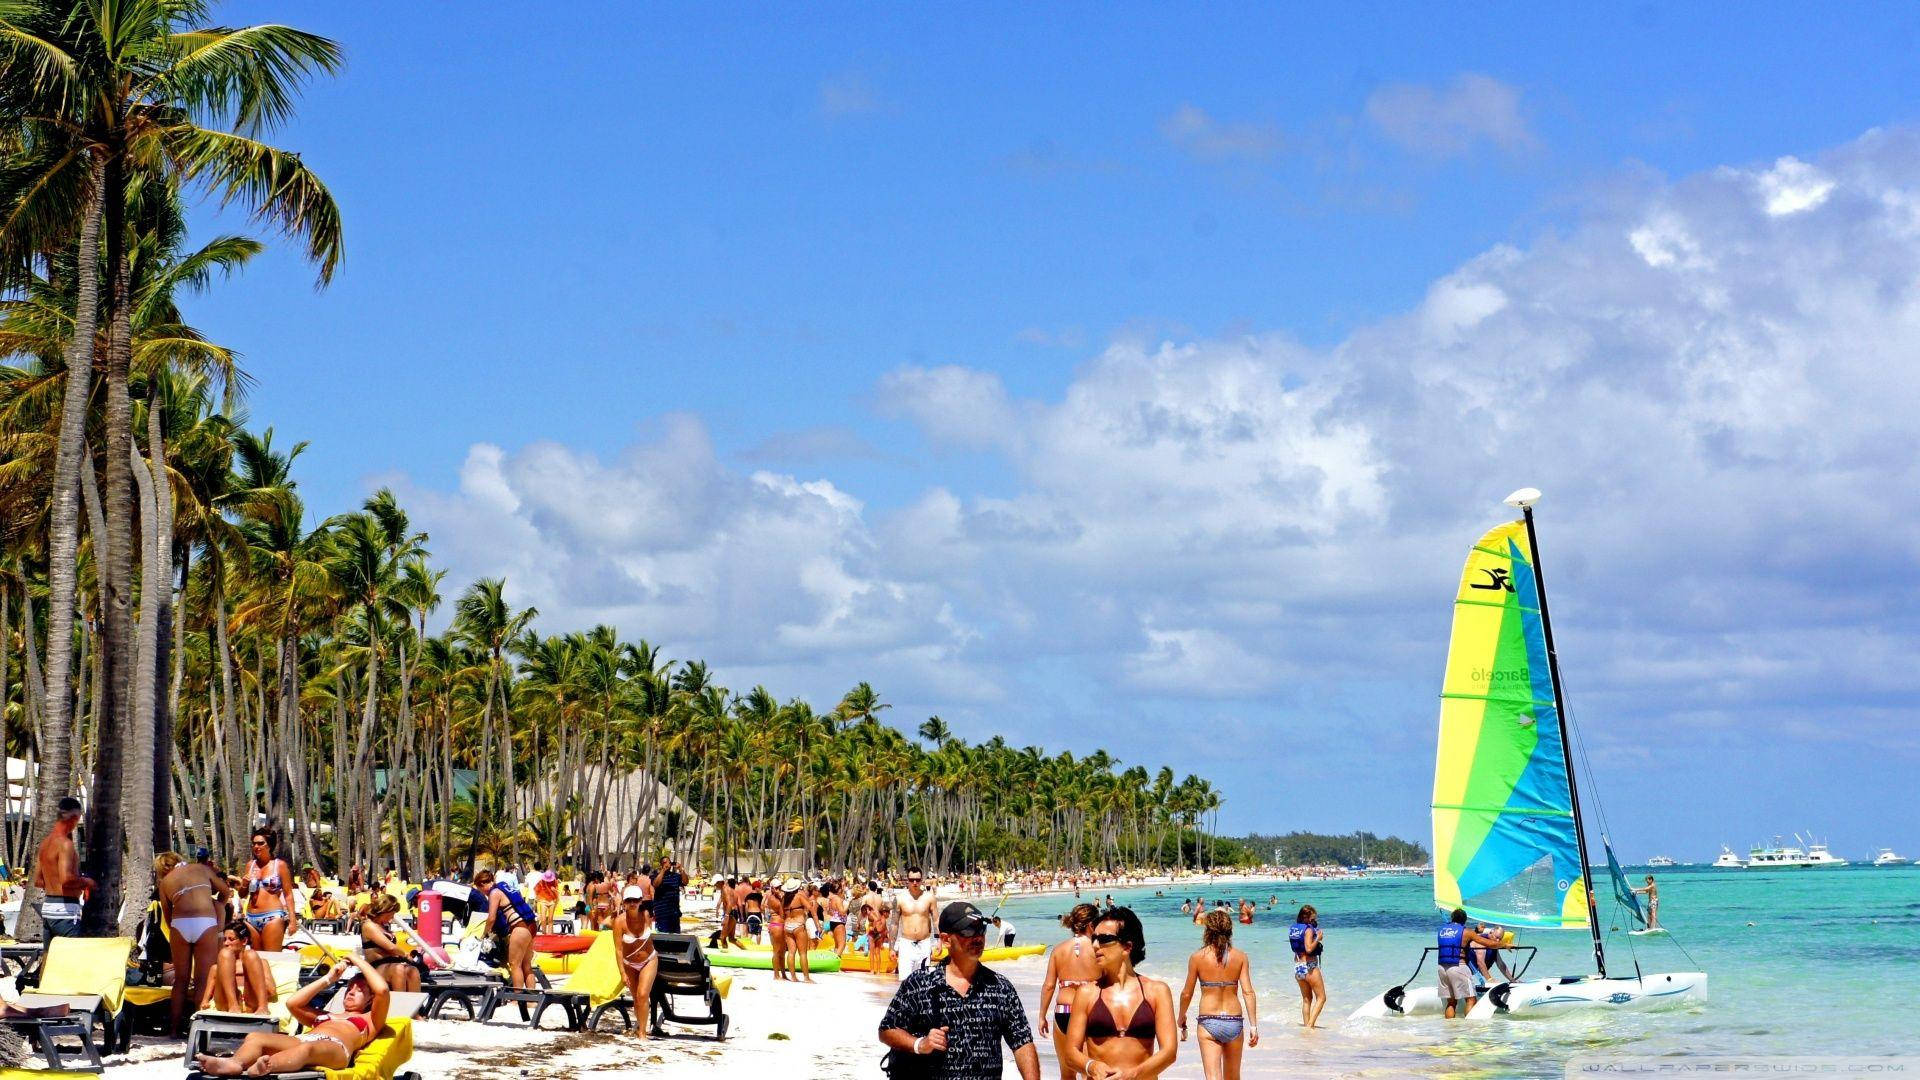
960,1010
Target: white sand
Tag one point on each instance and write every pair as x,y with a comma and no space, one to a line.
826,1029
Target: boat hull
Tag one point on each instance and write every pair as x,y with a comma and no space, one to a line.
1536,998
1553,997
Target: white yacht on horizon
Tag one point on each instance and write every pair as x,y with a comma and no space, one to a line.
1886,857
1727,860
1783,856
1661,860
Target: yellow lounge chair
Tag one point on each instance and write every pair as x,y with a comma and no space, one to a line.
381,1059
89,977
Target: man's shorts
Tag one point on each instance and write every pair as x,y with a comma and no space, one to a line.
1456,982
913,955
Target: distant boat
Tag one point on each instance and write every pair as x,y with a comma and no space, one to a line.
1661,860
1727,860
1783,856
1888,858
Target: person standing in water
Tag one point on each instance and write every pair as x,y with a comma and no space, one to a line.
1653,902
1456,974
1069,966
1225,979
1307,942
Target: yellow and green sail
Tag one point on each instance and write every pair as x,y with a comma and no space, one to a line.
1504,841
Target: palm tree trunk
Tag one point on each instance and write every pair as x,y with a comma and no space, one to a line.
137,801
105,837
55,779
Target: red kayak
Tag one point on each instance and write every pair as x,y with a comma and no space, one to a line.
561,944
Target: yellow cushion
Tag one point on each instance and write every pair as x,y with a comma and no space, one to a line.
148,995
83,965
381,1058
47,1074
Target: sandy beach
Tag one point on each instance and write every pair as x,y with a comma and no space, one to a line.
827,1028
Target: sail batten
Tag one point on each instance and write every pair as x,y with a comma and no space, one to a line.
1505,839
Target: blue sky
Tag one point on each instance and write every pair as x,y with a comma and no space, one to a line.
1136,377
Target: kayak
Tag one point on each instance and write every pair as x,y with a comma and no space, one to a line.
818,959
563,943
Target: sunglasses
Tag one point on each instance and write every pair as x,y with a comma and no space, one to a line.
1106,939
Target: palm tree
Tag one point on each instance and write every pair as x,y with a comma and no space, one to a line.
125,87
483,617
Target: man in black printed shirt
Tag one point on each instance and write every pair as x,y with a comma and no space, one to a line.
961,1010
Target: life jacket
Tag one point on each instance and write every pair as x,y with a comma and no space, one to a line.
520,907
1450,938
1297,939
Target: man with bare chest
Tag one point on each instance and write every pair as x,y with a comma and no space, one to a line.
57,873
913,924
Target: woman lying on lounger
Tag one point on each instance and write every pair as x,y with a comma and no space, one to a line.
332,1038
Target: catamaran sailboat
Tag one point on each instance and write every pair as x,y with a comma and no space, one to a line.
1509,843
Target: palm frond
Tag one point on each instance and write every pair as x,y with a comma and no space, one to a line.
278,186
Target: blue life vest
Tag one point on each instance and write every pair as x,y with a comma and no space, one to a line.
1450,938
520,908
1297,938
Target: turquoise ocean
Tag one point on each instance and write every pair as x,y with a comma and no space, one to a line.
1801,962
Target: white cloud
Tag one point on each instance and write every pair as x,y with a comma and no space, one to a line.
1718,406
1450,121
1195,131
1793,185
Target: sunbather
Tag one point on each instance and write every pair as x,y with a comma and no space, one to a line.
241,981
400,966
332,1038
193,899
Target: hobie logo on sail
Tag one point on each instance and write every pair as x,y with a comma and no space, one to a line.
1496,579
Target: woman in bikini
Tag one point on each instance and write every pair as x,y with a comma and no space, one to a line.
1069,966
241,982
332,1037
1100,1043
638,960
510,918
803,928
269,894
1225,980
193,901
836,904
777,898
399,966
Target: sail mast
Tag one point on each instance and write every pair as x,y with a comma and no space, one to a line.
1524,500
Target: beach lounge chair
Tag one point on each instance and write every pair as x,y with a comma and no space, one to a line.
214,1032
684,972
381,1059
576,1004
88,976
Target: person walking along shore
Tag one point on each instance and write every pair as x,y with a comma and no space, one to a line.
1229,1013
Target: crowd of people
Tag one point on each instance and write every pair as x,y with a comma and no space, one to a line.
1104,1017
